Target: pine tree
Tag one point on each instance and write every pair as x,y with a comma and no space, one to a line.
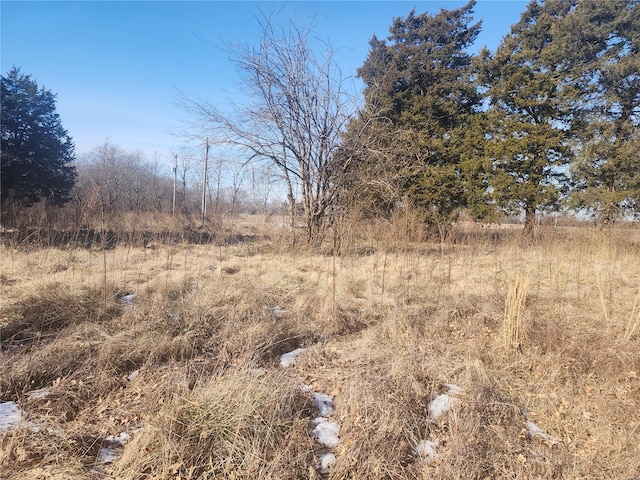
419,96
605,69
529,140
37,152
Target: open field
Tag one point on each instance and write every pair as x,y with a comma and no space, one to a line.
483,358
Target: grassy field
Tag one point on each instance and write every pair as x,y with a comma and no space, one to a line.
164,362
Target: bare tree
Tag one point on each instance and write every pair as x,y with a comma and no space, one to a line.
298,108
104,167
113,181
262,187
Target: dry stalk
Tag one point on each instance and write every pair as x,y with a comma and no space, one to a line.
606,306
634,319
513,330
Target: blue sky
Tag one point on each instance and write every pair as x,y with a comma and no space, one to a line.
116,67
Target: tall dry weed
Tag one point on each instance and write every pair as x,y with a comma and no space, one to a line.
633,323
514,328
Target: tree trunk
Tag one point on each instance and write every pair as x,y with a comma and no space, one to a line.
292,212
529,220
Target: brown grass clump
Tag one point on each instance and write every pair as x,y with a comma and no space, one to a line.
488,438
237,425
514,329
42,314
74,349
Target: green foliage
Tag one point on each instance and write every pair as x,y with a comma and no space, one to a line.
605,67
37,153
529,139
562,111
419,97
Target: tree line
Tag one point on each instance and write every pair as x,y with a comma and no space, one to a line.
550,120
547,122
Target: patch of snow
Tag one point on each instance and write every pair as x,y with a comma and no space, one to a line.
455,389
327,461
112,446
443,402
10,415
324,403
129,299
108,453
326,432
287,359
122,438
535,431
439,406
426,449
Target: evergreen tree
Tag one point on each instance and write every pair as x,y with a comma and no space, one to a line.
529,126
37,153
419,96
605,68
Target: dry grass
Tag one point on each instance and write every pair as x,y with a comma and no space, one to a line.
191,369
514,329
236,425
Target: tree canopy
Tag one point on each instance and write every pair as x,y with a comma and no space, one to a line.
37,152
552,115
419,97
296,113
528,137
604,38
548,121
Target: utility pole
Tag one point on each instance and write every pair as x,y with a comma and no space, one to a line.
175,175
204,181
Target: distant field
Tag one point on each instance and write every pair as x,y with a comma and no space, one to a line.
486,357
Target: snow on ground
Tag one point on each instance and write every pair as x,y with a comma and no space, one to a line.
443,402
10,415
439,406
327,461
129,299
324,404
326,432
111,447
287,359
534,430
426,449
